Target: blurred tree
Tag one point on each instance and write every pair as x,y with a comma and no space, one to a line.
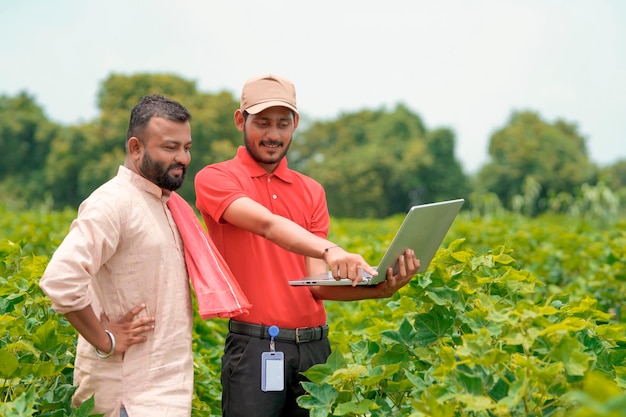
444,179
215,137
20,123
554,155
614,175
373,163
213,132
119,94
25,137
65,163
377,163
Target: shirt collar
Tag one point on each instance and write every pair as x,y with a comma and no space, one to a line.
141,183
282,170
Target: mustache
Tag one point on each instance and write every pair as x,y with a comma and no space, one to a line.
175,166
272,142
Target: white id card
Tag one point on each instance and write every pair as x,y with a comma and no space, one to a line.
272,371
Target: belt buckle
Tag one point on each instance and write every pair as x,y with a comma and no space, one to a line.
298,341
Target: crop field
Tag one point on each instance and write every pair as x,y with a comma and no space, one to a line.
516,316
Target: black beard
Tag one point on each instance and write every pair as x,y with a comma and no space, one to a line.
159,175
252,152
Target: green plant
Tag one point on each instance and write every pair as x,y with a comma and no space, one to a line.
522,317
36,344
471,337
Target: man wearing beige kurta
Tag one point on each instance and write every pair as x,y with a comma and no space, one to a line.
120,278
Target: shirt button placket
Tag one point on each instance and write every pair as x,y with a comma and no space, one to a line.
274,196
270,193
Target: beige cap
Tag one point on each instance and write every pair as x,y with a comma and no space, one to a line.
269,90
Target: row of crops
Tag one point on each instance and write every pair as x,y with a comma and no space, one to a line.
515,317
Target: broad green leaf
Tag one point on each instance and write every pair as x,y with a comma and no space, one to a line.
443,296
23,345
571,353
587,308
475,345
319,373
470,382
462,256
518,281
456,245
407,304
396,353
547,310
455,270
613,332
324,371
379,373
424,280
6,320
85,409
336,360
45,337
503,258
476,402
417,381
319,399
349,374
402,386
404,335
355,408
447,356
9,363
493,321
432,326
569,324
481,261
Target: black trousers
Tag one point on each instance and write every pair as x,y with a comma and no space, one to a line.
241,376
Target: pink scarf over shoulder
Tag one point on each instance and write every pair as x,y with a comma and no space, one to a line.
217,292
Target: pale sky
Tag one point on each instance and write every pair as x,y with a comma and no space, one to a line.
461,64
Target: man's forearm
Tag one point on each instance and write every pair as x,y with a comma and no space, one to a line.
88,325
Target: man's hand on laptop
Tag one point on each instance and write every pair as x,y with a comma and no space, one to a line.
344,264
408,265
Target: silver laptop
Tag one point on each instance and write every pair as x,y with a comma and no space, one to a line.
422,230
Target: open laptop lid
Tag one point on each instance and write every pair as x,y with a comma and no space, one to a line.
422,230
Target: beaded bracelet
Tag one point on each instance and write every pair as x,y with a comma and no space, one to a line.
109,353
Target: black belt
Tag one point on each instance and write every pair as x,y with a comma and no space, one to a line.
300,335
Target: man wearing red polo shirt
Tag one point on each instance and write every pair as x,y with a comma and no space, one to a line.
270,224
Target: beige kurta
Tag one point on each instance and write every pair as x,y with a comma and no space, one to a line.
122,250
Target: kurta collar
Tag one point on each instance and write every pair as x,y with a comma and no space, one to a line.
142,183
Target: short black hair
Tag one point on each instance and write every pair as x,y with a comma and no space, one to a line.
155,105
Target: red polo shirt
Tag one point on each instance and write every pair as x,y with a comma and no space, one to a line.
263,268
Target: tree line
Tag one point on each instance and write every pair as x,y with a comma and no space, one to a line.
372,163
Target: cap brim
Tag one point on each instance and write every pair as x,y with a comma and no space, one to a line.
258,108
